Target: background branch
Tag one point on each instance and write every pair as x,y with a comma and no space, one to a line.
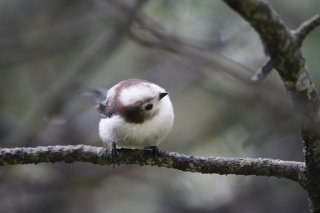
213,165
161,39
80,68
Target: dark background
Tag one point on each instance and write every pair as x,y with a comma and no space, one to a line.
52,51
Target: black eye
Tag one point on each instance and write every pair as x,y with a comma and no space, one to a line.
148,107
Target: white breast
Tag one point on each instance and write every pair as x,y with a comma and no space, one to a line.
132,135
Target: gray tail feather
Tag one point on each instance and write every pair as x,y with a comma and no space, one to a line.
99,95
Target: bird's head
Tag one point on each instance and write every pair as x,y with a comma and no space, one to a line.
137,100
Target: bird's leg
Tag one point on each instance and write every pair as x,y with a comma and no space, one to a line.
154,149
113,152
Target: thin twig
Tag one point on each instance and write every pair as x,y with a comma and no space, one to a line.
306,27
264,70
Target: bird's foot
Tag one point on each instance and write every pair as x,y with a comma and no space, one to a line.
113,153
154,149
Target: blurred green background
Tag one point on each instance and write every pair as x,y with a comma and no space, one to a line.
52,51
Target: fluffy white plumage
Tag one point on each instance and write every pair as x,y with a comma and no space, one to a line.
133,94
151,131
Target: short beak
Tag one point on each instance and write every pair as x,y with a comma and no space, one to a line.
161,95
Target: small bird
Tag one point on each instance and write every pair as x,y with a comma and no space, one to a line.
135,114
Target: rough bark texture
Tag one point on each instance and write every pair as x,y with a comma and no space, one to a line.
282,47
98,155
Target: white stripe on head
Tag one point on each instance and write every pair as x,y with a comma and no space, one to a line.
112,92
138,92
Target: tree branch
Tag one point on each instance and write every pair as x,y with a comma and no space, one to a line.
213,165
264,70
283,47
306,27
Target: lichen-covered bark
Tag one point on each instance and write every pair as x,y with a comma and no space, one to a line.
282,46
97,155
312,157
